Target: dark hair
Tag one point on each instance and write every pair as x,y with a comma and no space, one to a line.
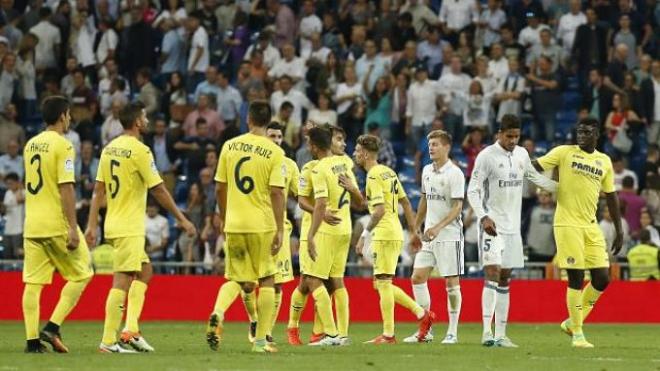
509,121
45,12
259,113
12,176
53,108
628,182
130,113
644,236
369,142
286,105
144,73
286,77
275,126
334,129
590,121
200,121
320,137
121,83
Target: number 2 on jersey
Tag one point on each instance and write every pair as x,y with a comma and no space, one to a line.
40,183
115,179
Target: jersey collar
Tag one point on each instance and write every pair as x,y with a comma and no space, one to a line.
443,168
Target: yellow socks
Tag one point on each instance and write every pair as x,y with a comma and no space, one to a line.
135,304
31,296
114,306
401,298
574,304
386,305
317,327
250,301
228,293
324,310
342,309
276,310
265,307
589,298
68,299
298,301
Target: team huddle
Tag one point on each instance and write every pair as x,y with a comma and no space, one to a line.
254,180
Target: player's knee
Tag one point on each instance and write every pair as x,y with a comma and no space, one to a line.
248,287
600,281
418,278
575,279
278,288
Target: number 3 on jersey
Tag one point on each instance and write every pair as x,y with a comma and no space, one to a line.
40,183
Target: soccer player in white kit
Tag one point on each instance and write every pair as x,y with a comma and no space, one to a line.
495,194
443,190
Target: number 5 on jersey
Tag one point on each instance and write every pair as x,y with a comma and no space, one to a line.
113,188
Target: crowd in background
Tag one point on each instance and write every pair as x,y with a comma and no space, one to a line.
396,69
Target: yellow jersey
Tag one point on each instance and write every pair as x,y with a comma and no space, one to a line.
250,164
582,176
384,188
325,181
291,184
128,170
49,160
306,189
643,262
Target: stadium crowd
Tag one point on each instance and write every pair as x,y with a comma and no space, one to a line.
396,69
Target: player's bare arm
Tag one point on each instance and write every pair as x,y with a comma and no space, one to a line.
93,219
164,198
454,213
475,197
278,200
535,176
376,217
411,222
357,200
221,196
421,214
68,196
317,218
306,203
615,212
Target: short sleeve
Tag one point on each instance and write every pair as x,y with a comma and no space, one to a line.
319,183
221,171
401,192
375,194
553,158
295,175
148,170
423,187
305,182
277,177
66,160
100,173
457,185
607,184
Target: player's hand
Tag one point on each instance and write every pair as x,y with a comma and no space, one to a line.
430,234
359,247
90,237
311,249
277,243
188,227
72,239
330,217
489,226
617,244
415,242
346,183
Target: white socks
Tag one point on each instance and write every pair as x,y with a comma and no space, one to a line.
422,296
454,300
501,311
488,299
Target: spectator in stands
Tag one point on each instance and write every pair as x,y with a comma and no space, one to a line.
84,106
303,154
620,117
646,223
291,127
419,14
83,44
111,86
172,50
196,212
8,79
540,238
530,36
285,22
13,211
198,58
651,195
617,68
386,155
597,98
329,75
194,149
229,99
490,21
270,53
289,65
11,162
399,102
379,104
207,184
157,232
309,25
111,127
498,65
408,59
650,89
510,92
477,113
148,94
421,106
323,113
634,204
454,86
512,48
86,167
471,146
546,99
387,54
9,129
297,98
73,137
161,142
48,49
609,232
176,98
107,42
455,16
213,122
347,97
239,40
621,172
644,260
430,50
370,67
589,47
635,99
484,75
210,85
626,37
547,47
465,50
568,25
27,75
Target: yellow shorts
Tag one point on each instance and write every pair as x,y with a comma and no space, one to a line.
303,257
332,252
247,256
581,248
45,255
129,253
386,256
283,259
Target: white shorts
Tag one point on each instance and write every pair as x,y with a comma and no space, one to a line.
446,256
505,250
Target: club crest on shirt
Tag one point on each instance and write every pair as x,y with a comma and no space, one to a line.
598,163
153,167
68,165
570,260
283,169
501,166
302,182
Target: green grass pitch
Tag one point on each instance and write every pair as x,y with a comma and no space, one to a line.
181,346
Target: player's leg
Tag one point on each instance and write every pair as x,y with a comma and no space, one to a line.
131,334
249,297
114,308
502,310
449,258
597,261
490,258
600,279
263,263
284,274
323,307
277,305
422,268
37,272
298,302
341,244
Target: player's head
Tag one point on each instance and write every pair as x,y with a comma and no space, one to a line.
55,110
645,236
275,132
133,116
338,139
439,144
509,134
259,114
367,148
320,140
587,132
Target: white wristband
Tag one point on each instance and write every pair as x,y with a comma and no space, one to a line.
366,233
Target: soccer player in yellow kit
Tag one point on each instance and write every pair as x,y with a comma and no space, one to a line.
52,240
127,172
583,173
250,181
384,236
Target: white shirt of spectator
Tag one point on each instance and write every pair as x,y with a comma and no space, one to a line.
110,129
180,16
14,214
200,39
495,21
568,24
49,36
11,165
609,232
157,229
308,25
488,84
496,185
499,68
294,68
229,101
271,55
109,41
618,179
440,187
656,104
510,83
344,90
320,55
454,88
529,37
327,117
421,104
458,14
297,98
84,47
105,97
27,78
73,137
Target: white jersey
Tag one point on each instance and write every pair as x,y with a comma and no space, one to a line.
440,187
496,186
